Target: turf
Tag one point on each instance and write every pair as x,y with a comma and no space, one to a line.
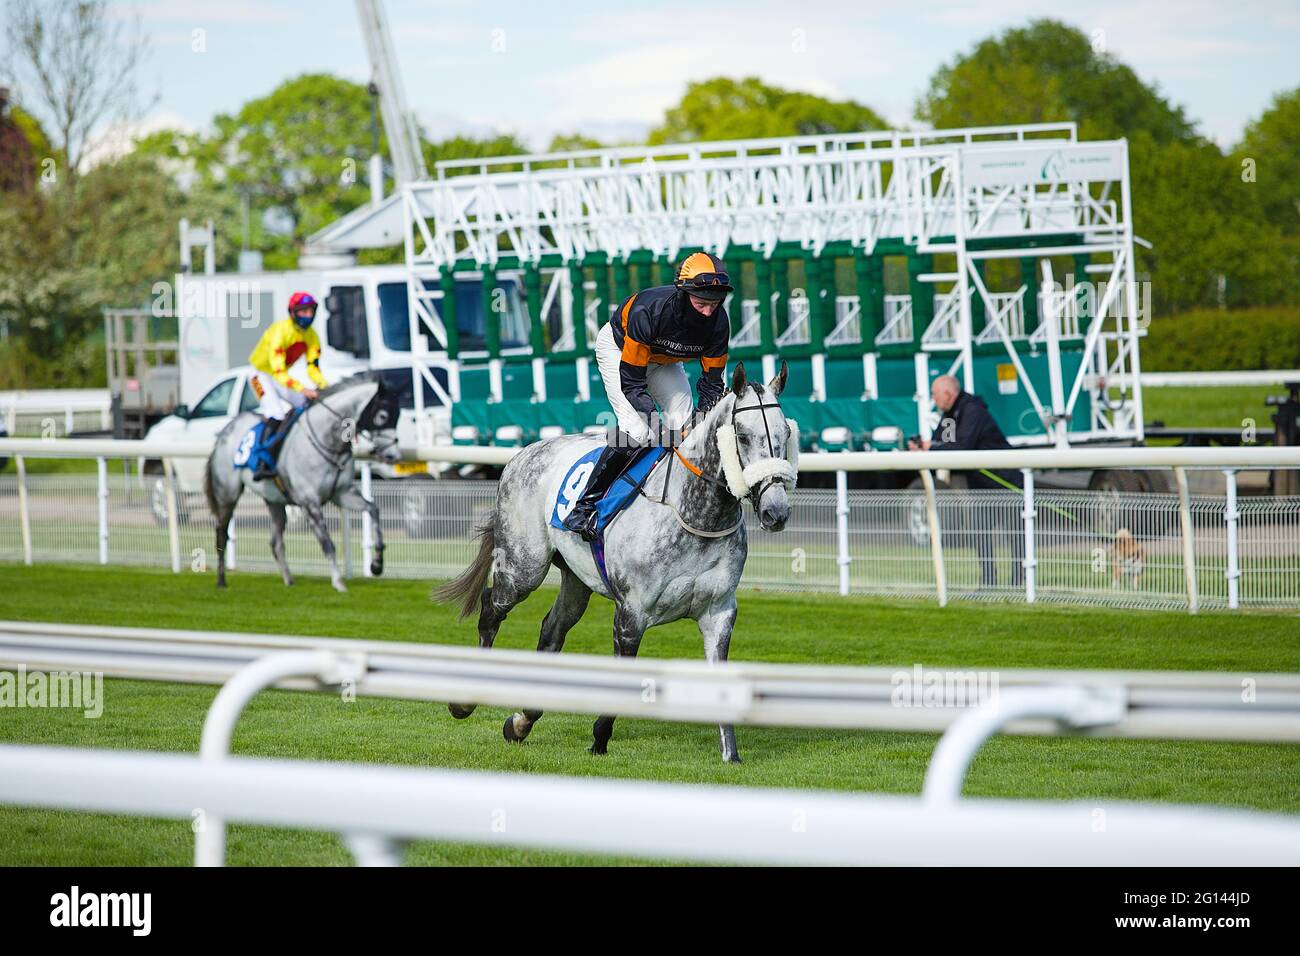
1183,406
157,716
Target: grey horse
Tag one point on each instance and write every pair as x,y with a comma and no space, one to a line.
677,551
315,466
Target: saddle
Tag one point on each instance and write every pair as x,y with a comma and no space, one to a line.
253,451
621,491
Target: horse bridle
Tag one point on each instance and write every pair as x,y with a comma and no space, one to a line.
756,493
360,430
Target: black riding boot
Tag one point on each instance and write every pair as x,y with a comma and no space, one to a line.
271,445
609,466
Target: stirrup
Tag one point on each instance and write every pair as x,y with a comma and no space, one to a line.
582,521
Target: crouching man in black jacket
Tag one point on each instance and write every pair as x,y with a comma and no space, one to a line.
967,425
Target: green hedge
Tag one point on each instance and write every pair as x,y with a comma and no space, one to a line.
1213,339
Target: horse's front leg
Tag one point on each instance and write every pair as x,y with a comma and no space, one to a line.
316,518
715,627
353,500
629,627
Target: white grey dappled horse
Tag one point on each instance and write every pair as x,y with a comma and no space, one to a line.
674,552
315,466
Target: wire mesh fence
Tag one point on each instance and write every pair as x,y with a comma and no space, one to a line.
1094,548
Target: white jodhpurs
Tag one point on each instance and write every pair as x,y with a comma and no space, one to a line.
277,400
668,386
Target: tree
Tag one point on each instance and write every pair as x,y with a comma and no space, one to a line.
1049,71
301,149
572,142
722,108
1204,222
1272,146
466,147
75,66
17,158
54,281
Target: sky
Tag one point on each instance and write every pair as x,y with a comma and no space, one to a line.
610,70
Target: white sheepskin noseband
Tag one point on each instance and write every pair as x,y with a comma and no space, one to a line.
741,479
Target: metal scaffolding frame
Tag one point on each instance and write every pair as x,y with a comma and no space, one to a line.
975,195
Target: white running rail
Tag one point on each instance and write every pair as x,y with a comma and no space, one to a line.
377,807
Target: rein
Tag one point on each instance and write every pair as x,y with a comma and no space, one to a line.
340,462
755,494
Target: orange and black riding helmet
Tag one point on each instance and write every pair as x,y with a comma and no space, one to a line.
703,275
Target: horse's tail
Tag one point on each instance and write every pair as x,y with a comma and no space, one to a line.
466,589
208,491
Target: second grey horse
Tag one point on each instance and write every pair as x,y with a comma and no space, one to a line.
677,551
315,467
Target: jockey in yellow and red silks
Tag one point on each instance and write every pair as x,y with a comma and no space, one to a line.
278,392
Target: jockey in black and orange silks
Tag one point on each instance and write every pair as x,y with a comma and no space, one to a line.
641,353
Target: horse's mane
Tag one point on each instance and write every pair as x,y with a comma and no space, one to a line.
707,427
344,384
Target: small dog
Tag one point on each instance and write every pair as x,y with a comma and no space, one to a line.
1127,558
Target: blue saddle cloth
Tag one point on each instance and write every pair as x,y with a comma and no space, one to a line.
252,450
620,493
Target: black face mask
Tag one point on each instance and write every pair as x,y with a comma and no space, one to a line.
380,413
687,310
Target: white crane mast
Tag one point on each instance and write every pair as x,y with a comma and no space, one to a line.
403,141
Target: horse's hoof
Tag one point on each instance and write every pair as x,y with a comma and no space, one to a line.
734,758
288,582
461,711
511,733
340,587
221,585
377,569
598,750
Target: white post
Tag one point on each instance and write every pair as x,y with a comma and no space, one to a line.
173,521
1069,705
24,510
583,369
818,378
1189,551
1230,518
102,472
842,527
367,533
1052,314
870,384
67,421
936,546
345,531
539,379
964,265
1029,514
376,178
921,367
219,725
369,849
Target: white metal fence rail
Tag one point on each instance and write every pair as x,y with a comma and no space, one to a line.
1182,550
377,807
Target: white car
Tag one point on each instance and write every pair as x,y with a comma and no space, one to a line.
231,393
